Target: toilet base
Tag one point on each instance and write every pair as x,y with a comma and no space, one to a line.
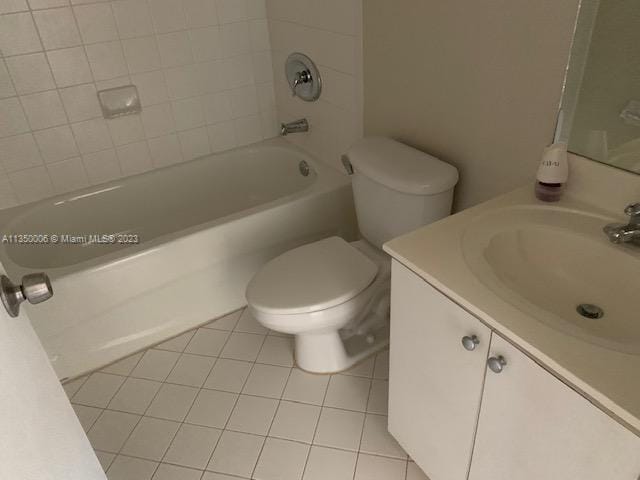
328,353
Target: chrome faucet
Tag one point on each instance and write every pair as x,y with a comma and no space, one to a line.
629,233
296,126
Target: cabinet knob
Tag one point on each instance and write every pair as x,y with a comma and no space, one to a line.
496,364
470,342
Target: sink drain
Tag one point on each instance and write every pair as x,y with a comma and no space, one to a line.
588,310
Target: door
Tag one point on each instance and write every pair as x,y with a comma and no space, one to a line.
532,427
40,436
435,384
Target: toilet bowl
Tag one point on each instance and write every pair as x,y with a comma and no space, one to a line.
333,296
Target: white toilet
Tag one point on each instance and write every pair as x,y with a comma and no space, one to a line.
334,295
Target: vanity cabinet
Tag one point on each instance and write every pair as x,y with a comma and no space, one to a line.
435,384
490,413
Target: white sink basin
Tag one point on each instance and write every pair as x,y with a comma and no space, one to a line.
546,261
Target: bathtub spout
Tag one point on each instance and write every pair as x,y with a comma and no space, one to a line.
296,126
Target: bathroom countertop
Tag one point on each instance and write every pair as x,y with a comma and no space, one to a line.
607,378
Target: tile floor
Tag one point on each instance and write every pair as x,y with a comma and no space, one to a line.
224,402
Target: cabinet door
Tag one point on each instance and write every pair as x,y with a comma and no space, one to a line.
435,384
534,427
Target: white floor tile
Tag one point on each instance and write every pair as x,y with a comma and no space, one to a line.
295,421
339,429
243,346
127,468
111,430
328,463
277,351
177,344
150,439
124,366
105,459
348,392
362,369
207,341
236,454
172,402
87,415
253,415
229,375
191,370
379,397
267,381
377,440
281,460
98,390
135,395
218,476
228,322
212,408
155,365
193,446
381,369
306,387
247,324
70,388
173,472
370,467
414,472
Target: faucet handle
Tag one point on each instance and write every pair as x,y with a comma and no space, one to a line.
633,210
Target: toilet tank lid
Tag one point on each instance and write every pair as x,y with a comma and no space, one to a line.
401,167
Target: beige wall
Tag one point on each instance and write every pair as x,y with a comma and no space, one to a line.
476,83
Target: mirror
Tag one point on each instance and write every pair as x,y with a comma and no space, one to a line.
600,113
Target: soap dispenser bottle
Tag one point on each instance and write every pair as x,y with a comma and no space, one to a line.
552,173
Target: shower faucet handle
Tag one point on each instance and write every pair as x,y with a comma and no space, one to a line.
301,77
35,287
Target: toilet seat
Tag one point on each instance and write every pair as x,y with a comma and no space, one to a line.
311,278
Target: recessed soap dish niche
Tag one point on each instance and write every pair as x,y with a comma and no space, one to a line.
119,101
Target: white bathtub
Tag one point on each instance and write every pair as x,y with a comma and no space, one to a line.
205,227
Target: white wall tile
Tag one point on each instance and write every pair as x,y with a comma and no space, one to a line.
19,152
18,34
238,71
81,102
127,129
44,109
244,101
30,73
167,15
6,86
133,18
194,143
31,184
70,66
141,54
8,199
56,143
134,158
235,39
206,43
106,60
175,49
256,9
259,34
200,13
68,175
96,22
11,6
57,28
222,136
40,4
188,113
151,88
248,129
165,150
102,166
158,120
217,107
230,11
12,118
92,135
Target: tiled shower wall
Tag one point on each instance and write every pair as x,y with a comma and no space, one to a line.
330,32
202,67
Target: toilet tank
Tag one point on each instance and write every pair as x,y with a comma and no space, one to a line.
397,188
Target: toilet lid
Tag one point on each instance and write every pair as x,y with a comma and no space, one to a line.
313,277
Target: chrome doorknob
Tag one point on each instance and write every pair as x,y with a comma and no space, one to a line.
36,288
496,364
470,342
